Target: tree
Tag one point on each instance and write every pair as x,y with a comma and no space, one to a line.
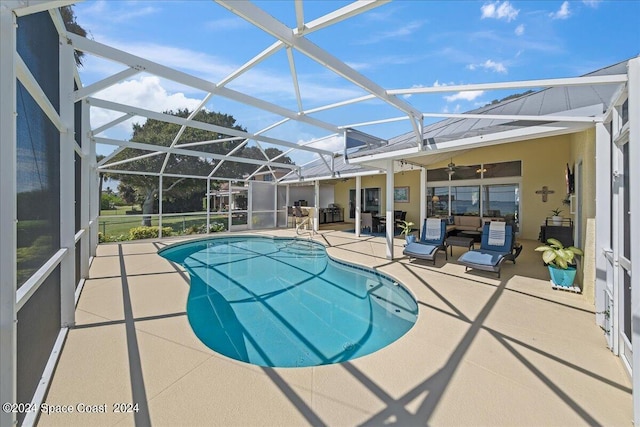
161,133
70,23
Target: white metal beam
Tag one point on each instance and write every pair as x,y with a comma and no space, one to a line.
130,159
527,118
270,25
541,83
166,175
275,47
634,207
390,224
294,77
230,153
111,124
29,7
299,15
86,91
31,84
198,125
340,104
91,46
352,9
67,185
8,215
209,142
183,128
531,132
165,149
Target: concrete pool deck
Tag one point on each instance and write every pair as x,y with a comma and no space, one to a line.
484,351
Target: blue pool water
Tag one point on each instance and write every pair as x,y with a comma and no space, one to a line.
285,303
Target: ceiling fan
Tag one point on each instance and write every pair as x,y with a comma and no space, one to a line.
452,167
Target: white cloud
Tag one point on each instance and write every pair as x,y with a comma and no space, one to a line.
592,3
519,30
465,96
402,31
455,110
145,92
122,12
497,10
562,13
489,65
226,24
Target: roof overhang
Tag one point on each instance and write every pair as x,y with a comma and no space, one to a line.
587,117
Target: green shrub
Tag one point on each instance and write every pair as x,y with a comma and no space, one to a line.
144,232
106,238
214,227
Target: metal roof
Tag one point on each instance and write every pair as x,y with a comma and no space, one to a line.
548,101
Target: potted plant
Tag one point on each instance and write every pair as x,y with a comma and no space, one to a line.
405,229
556,219
559,260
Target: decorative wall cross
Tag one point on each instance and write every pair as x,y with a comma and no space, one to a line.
545,190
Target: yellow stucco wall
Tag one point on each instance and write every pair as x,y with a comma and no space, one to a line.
409,179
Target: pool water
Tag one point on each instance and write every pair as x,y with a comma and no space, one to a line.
284,303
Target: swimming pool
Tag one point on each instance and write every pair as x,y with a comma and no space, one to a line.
284,303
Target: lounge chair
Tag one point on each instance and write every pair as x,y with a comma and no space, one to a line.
431,241
495,248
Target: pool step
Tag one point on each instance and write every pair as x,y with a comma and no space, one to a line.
302,248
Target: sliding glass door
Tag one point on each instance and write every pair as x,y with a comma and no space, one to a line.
501,201
370,201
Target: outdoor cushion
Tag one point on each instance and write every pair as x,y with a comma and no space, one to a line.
490,257
469,221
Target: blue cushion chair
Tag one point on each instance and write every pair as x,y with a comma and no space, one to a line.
490,256
429,245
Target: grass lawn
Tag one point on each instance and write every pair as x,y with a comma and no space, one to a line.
121,225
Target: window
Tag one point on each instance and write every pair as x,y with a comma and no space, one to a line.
500,201
497,170
438,201
465,200
370,201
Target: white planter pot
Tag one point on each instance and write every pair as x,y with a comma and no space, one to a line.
556,220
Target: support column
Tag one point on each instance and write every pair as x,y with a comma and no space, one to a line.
208,205
316,202
389,203
603,216
85,192
287,202
634,206
423,198
249,207
159,206
67,184
94,181
8,214
358,205
275,204
229,216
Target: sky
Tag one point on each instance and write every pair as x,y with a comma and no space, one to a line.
402,44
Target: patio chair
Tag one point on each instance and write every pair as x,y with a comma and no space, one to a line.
431,241
299,215
495,248
366,221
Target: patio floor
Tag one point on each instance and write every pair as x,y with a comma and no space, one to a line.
484,351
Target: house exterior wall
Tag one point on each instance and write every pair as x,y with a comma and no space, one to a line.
409,179
543,164
583,149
